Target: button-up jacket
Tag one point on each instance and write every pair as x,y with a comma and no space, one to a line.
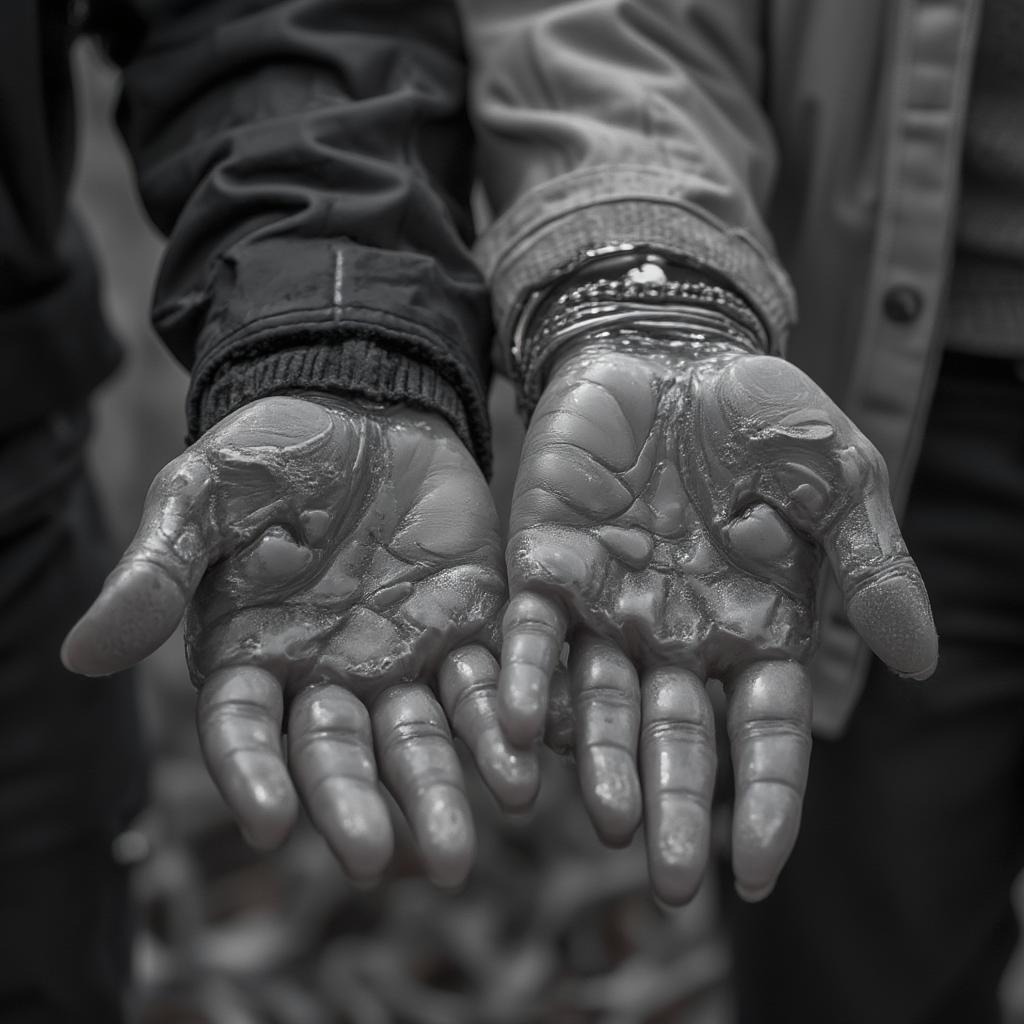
807,149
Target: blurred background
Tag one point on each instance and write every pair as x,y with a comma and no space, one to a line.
551,927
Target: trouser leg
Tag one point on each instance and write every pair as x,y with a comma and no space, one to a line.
71,767
894,908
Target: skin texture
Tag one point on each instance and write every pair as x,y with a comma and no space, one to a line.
669,519
339,566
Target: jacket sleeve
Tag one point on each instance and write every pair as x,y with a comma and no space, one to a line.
624,121
310,163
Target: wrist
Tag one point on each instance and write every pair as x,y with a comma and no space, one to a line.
655,358
355,405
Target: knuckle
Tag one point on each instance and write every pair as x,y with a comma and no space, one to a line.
675,732
672,698
529,612
184,477
336,713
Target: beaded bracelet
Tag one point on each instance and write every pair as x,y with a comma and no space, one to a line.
641,299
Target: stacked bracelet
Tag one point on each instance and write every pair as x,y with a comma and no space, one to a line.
628,295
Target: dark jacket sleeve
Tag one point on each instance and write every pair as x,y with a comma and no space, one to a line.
310,162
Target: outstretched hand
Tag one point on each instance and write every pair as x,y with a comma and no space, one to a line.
669,517
340,564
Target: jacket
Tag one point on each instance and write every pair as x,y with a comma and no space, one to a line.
801,148
306,158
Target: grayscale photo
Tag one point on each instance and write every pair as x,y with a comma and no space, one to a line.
511,511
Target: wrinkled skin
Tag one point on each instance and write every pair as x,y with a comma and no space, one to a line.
340,563
669,518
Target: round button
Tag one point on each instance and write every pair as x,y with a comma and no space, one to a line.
902,303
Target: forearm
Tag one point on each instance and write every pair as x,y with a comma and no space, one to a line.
307,159
612,123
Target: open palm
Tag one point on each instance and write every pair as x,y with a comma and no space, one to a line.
340,563
669,517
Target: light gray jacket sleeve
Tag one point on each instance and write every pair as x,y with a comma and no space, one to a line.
624,121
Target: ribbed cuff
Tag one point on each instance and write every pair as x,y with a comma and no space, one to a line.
279,314
366,364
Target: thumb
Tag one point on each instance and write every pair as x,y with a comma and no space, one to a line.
145,597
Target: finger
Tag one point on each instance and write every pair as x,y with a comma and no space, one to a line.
469,696
832,484
144,598
420,767
769,722
885,596
330,749
677,760
607,709
239,714
534,630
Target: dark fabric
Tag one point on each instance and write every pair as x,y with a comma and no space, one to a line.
361,365
311,161
53,346
986,307
71,763
894,908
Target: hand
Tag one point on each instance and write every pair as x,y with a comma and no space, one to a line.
668,517
338,561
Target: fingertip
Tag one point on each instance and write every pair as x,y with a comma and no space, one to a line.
447,841
611,794
512,775
534,629
362,837
894,616
266,812
678,847
364,858
421,769
71,650
89,649
86,649
469,697
922,675
674,888
753,895
765,827
137,610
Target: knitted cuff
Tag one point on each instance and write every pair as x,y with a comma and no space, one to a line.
362,365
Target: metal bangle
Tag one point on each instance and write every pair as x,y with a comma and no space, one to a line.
667,327
642,291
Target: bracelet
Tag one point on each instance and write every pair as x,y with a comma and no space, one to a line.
622,292
637,326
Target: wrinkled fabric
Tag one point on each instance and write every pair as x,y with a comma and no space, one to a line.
311,162
912,832
800,146
72,770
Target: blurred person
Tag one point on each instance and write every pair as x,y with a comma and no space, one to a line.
668,176
306,159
